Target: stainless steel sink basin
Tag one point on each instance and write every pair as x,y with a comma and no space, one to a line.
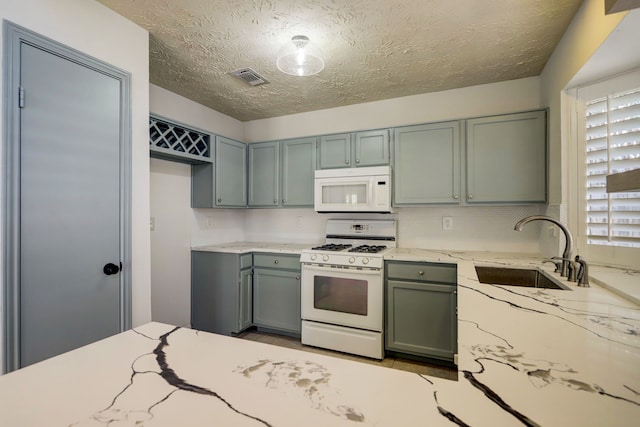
530,278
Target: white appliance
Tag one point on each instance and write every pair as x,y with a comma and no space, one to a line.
342,292
365,189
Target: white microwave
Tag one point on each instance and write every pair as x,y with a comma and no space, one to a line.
366,189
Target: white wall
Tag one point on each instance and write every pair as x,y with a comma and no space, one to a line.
91,28
475,228
594,46
183,110
170,242
177,226
587,31
474,101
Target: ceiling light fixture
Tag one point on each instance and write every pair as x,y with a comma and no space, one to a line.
300,58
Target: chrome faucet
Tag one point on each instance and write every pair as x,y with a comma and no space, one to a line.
568,247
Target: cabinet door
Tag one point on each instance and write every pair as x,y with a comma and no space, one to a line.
335,151
372,148
263,174
298,166
506,158
276,299
214,292
421,319
245,309
427,164
230,164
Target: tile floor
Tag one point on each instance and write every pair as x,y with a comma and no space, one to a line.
388,362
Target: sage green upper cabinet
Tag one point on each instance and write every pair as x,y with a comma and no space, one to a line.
223,182
281,173
263,174
335,151
369,148
298,166
506,158
427,164
372,148
231,173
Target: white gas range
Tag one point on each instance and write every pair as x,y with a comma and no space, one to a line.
342,292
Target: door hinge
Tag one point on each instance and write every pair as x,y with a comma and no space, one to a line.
21,97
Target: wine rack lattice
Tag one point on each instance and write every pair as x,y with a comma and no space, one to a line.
173,139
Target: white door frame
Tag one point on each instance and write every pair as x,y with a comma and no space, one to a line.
14,36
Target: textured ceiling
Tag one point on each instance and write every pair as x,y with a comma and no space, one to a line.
374,49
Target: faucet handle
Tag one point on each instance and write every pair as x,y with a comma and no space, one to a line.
565,267
583,272
555,262
572,273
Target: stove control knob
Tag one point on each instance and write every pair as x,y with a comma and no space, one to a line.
365,261
352,260
313,257
325,258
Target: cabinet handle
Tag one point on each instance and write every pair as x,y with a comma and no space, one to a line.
358,161
420,273
470,196
346,162
275,201
275,262
284,201
455,196
297,277
219,199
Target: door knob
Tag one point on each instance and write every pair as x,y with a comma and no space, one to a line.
110,269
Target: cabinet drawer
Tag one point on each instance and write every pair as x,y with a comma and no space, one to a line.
286,262
245,261
423,272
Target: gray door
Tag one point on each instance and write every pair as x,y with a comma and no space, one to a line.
69,205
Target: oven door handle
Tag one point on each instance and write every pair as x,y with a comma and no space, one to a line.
368,271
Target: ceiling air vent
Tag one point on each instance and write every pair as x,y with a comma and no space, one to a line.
250,76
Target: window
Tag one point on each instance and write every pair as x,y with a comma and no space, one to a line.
612,144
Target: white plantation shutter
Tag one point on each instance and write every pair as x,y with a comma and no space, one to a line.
612,142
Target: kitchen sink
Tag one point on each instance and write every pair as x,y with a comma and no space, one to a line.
529,278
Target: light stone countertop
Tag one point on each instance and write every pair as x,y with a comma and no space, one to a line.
527,356
247,247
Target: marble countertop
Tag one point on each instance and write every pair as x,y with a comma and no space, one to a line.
247,247
536,357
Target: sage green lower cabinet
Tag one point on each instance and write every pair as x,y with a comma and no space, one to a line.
421,310
427,164
221,292
245,315
276,292
506,158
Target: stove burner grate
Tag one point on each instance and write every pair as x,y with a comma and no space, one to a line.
332,247
369,249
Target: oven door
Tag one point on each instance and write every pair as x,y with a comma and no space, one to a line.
342,296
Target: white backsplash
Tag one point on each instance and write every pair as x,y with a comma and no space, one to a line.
474,228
